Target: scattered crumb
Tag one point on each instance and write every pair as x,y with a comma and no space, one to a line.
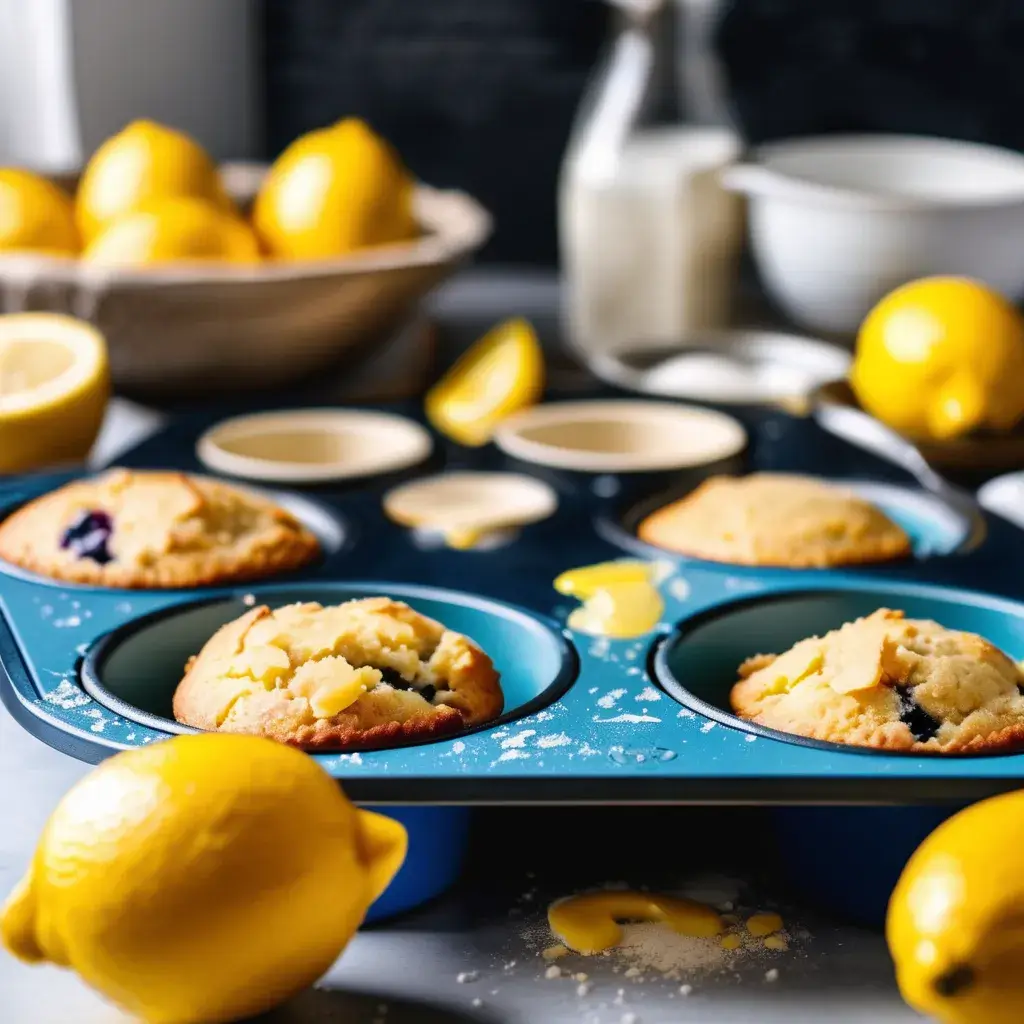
553,972
580,977
776,942
685,990
249,600
465,977
555,952
582,989
772,975
458,747
620,997
764,924
633,972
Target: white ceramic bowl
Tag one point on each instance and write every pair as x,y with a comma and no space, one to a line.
837,222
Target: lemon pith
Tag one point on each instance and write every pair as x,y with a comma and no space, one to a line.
241,872
499,375
54,387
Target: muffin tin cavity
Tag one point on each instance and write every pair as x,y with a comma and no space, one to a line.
935,528
697,664
135,670
620,436
314,446
93,530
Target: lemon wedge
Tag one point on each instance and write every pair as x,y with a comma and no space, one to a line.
501,374
54,385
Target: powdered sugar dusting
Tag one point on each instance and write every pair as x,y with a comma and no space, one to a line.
67,696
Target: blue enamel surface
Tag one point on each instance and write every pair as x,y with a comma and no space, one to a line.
614,734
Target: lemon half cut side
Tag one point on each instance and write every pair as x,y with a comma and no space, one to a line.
54,386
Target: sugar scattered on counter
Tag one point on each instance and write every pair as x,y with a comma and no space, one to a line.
686,713
582,989
554,971
751,739
543,716
67,696
580,976
685,990
458,747
610,699
772,975
519,740
649,694
707,726
514,755
558,739
632,719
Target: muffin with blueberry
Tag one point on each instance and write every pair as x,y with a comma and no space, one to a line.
153,530
366,673
892,683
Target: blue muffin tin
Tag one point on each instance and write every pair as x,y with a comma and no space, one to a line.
91,671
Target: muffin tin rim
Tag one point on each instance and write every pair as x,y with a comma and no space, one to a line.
611,527
90,666
665,679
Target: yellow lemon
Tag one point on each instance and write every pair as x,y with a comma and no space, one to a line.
203,879
955,926
35,215
940,358
501,374
54,386
332,192
144,161
178,228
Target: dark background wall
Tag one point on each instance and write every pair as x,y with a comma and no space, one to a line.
480,94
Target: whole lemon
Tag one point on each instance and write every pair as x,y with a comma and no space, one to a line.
176,228
201,880
954,923
334,191
942,357
35,215
144,161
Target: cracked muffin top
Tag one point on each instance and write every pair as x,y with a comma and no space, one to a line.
153,530
775,519
892,683
366,673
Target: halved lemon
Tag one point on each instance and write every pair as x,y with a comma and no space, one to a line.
501,374
54,386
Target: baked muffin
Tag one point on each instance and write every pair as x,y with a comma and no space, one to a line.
366,673
889,682
775,519
154,529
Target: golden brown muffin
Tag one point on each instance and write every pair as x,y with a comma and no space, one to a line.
892,683
367,673
152,530
775,519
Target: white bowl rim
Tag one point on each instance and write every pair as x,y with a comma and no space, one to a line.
396,443
813,191
731,435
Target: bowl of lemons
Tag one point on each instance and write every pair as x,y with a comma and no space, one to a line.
207,278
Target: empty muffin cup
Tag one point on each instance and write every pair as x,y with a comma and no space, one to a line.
314,446
620,436
698,663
